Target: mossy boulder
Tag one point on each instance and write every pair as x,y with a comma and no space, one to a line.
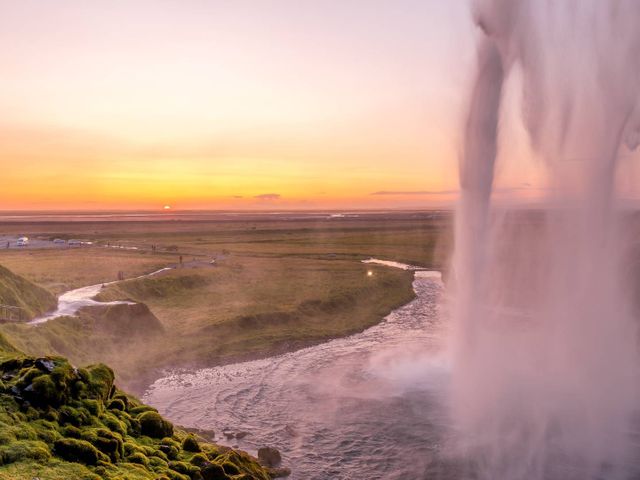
139,458
21,450
190,444
117,404
153,425
79,451
213,471
101,381
44,390
62,422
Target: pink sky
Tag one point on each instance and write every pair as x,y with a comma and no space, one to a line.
214,104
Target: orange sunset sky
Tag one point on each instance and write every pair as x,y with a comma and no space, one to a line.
234,104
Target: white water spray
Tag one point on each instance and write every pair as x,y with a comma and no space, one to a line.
546,376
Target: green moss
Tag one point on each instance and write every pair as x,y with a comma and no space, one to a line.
157,463
79,451
138,457
46,431
199,459
184,468
69,433
213,471
153,425
24,449
106,441
141,409
94,407
173,475
230,468
121,396
44,389
74,416
190,444
117,404
101,381
114,423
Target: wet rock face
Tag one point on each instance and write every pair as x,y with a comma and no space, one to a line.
269,457
48,408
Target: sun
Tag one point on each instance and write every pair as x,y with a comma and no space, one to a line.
167,207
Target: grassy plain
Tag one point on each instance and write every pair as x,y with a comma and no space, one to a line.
276,285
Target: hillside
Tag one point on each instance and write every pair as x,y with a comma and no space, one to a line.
58,422
20,292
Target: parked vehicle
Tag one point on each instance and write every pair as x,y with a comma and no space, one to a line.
22,242
74,243
59,241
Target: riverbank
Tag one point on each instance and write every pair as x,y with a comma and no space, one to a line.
362,406
247,288
332,299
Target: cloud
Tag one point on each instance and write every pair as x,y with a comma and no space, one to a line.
268,196
497,190
237,196
415,192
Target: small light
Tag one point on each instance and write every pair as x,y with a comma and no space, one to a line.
369,273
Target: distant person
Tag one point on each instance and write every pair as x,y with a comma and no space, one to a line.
180,260
8,244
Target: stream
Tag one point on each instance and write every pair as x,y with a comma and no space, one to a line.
367,406
70,302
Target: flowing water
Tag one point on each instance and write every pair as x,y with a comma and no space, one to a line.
70,302
365,406
553,393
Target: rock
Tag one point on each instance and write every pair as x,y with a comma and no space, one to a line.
269,457
228,435
279,472
213,471
241,435
190,444
79,451
45,365
153,425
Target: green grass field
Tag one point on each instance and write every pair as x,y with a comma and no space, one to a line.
274,286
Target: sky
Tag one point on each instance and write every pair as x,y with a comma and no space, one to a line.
235,104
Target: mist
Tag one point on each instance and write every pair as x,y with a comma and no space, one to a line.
544,335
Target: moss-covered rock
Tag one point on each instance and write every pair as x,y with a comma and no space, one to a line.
75,424
190,444
117,404
213,471
21,450
138,457
199,460
79,451
101,381
153,425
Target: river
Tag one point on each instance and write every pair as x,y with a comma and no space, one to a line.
368,406
70,302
